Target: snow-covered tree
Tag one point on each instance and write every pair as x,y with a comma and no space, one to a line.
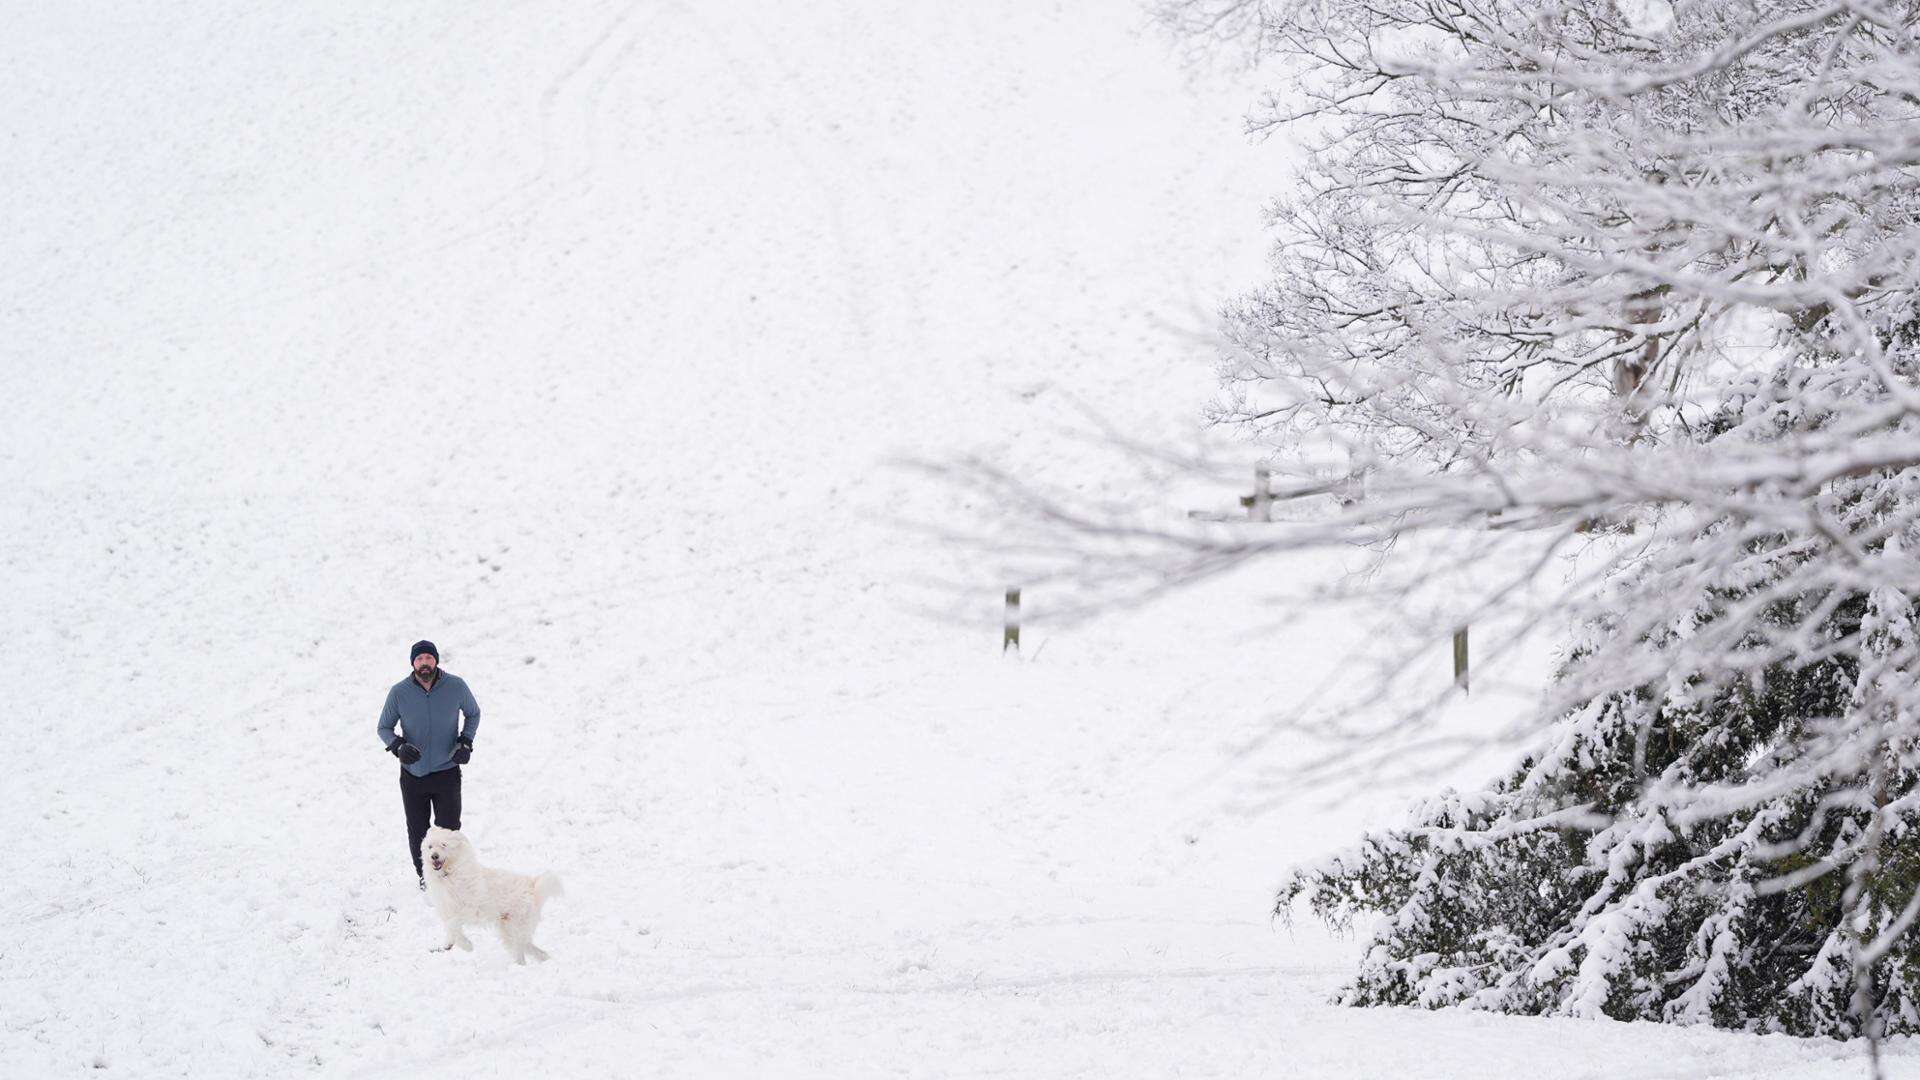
1647,269
1635,280
1669,855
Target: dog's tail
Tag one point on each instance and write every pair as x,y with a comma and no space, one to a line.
547,886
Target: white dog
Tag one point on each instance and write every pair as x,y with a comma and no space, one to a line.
466,893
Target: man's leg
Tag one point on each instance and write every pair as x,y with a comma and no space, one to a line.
413,795
446,798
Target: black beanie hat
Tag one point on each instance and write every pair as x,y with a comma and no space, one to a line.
423,647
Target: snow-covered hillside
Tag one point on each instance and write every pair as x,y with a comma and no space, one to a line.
581,339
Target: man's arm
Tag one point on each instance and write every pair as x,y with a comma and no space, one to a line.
471,710
389,715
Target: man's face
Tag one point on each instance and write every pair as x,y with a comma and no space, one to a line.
423,665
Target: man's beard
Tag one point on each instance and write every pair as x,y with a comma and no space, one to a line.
423,672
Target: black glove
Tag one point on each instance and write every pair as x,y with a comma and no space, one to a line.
405,751
463,752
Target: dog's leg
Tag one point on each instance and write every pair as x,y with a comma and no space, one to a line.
510,936
536,952
455,936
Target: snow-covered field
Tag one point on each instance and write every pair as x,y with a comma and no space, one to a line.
580,340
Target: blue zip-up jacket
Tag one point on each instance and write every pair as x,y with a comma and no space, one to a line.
429,719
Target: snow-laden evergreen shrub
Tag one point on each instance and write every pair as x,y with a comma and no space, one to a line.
1665,857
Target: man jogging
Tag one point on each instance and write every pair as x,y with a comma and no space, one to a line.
432,744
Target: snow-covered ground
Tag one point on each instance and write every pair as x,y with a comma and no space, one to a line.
580,339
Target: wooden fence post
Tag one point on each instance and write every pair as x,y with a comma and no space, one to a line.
1260,504
1010,629
1460,658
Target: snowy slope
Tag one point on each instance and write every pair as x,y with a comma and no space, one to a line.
580,340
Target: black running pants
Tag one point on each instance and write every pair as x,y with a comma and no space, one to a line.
439,791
